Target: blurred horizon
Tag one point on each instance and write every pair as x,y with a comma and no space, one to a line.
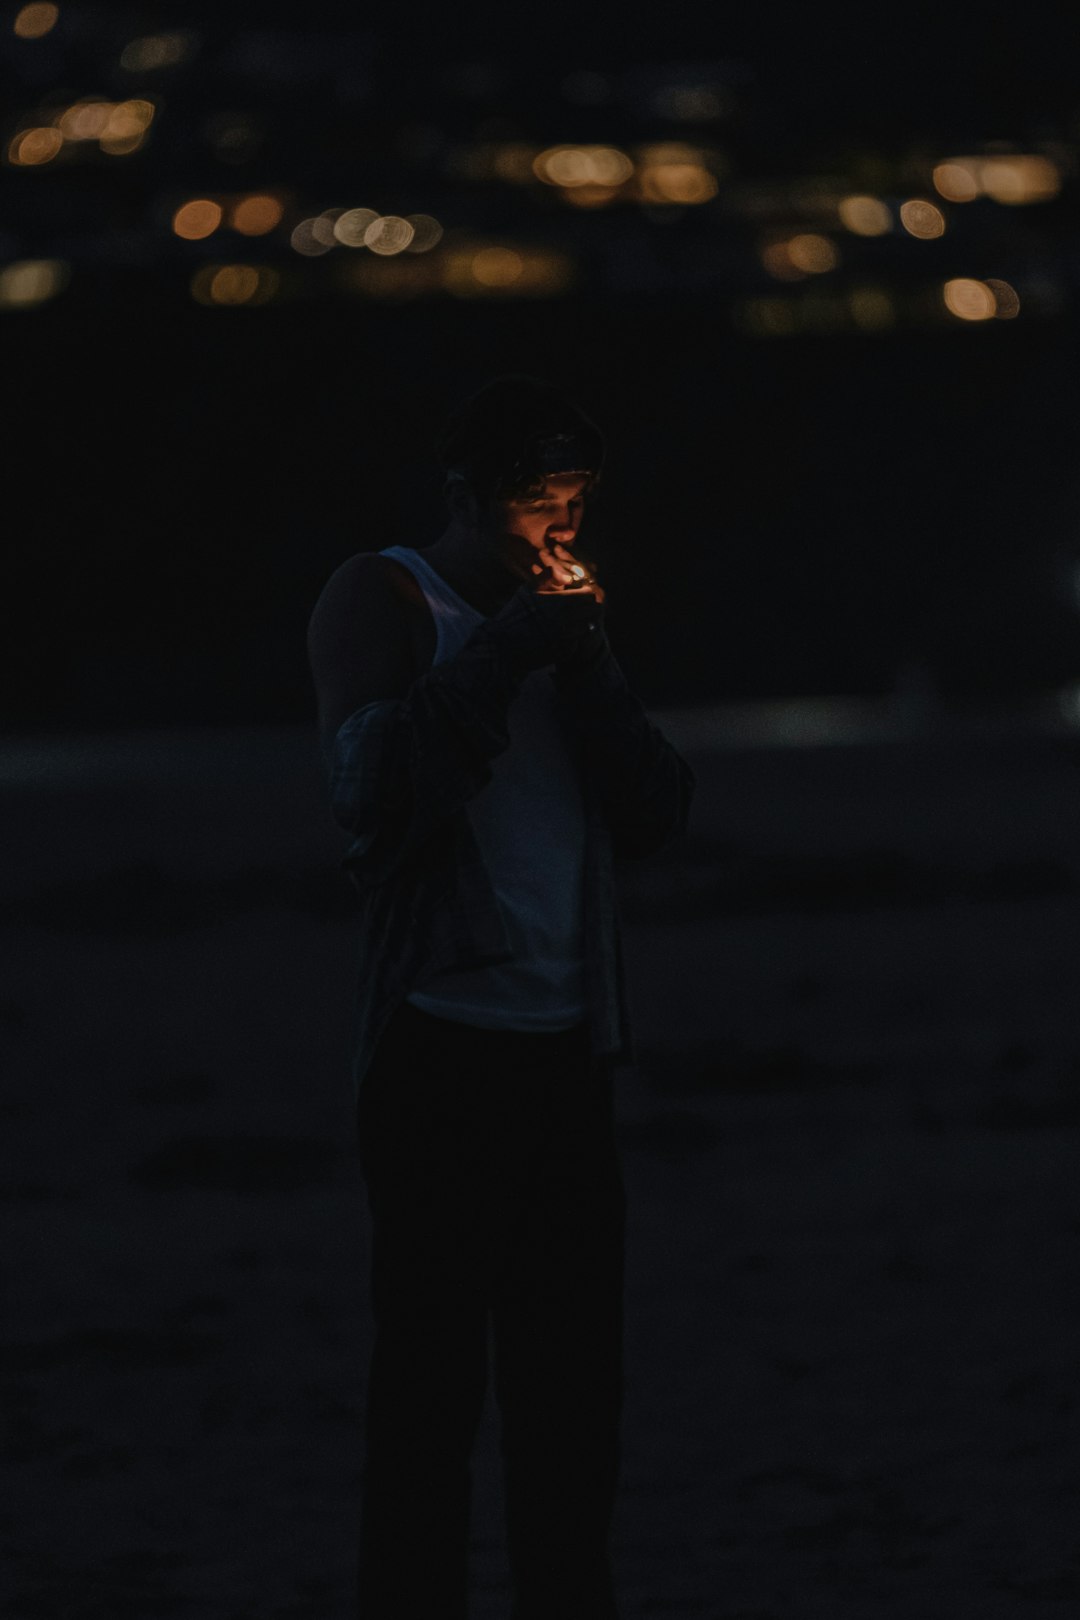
816,280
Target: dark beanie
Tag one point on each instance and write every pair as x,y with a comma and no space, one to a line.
507,436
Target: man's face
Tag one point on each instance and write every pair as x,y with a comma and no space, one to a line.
550,518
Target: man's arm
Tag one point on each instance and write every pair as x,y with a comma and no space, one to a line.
646,787
403,749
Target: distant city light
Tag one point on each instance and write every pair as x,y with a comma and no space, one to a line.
32,147
118,126
969,300
197,219
35,21
794,258
307,240
84,120
427,232
589,196
497,266
1006,299
1013,178
389,234
159,51
495,269
322,226
1016,179
384,234
125,129
671,172
812,252
957,181
233,284
255,215
921,218
865,216
350,226
32,281
582,166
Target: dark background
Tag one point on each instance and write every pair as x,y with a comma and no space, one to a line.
816,513
849,1140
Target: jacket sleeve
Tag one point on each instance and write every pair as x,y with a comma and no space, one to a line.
645,786
399,769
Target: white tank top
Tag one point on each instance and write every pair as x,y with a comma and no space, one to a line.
529,822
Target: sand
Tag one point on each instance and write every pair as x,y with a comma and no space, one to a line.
850,1148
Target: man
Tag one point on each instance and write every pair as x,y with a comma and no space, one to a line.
489,761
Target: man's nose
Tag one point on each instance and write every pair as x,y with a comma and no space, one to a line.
562,532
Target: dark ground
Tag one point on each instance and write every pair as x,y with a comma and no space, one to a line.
850,1150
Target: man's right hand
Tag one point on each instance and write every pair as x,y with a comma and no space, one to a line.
537,628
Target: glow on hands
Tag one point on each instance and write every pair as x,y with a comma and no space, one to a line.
562,567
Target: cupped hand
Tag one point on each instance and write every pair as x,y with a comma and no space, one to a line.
558,564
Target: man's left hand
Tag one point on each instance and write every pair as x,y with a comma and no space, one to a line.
558,564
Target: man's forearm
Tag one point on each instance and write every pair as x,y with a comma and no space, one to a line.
401,767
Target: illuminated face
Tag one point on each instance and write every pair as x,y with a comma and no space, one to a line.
551,518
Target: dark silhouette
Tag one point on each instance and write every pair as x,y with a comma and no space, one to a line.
489,761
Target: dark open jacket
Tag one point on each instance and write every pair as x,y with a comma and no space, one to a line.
401,775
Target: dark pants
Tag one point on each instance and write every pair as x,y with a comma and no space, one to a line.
495,1190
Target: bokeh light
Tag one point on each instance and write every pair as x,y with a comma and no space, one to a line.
389,234
1019,179
957,180
349,227
796,257
427,232
969,300
865,216
309,241
671,172
1006,299
582,166
32,281
35,21
33,147
497,266
84,120
495,269
235,284
1013,178
814,253
197,219
922,218
255,215
322,226
126,127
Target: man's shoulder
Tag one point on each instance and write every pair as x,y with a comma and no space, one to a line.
374,575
